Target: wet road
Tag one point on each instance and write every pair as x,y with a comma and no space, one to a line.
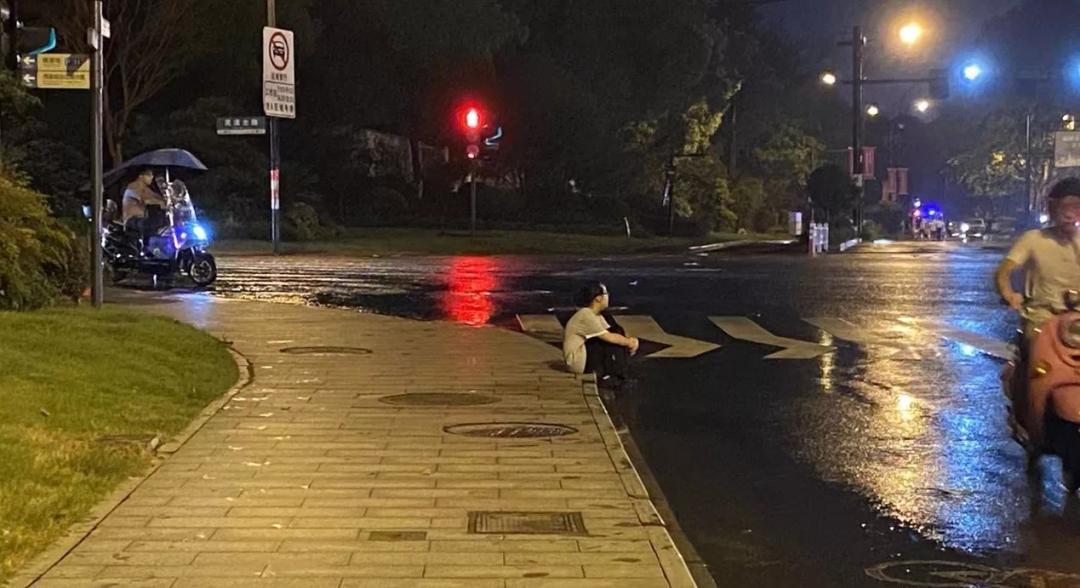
880,440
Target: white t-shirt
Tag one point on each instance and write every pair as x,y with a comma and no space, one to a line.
584,325
1053,268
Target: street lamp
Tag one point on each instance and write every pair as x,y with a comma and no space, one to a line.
829,78
911,33
872,110
973,71
922,105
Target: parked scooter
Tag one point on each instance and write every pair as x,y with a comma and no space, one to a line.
1043,386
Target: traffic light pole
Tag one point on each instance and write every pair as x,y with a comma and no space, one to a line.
275,157
858,43
97,102
472,197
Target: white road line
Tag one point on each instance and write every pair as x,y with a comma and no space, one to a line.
842,329
645,327
982,343
745,329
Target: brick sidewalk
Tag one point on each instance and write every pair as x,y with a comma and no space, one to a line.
307,478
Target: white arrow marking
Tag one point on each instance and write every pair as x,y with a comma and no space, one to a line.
743,328
987,345
29,80
842,329
645,327
543,326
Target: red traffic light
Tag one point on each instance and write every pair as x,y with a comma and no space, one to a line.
472,118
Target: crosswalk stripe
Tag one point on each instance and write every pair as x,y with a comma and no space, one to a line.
842,329
645,327
743,328
543,326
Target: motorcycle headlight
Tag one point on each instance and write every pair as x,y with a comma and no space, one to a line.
199,232
1070,333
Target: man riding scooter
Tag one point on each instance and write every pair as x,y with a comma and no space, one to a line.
1050,259
137,196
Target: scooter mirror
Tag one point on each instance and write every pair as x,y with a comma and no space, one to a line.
1072,300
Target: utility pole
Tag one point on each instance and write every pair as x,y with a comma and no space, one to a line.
97,102
275,156
858,43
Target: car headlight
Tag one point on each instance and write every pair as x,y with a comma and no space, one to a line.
199,232
964,227
1070,333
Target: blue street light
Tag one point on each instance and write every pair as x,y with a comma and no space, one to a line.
973,71
1072,72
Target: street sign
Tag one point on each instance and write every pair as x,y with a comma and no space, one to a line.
241,125
1067,149
55,71
279,73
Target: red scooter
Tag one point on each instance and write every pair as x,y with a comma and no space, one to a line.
1044,393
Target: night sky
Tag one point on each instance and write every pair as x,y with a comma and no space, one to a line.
953,26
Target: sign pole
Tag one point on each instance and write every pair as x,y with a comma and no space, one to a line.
96,152
275,157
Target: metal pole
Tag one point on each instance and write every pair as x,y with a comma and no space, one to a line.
97,101
671,197
275,156
734,155
857,44
472,198
1027,167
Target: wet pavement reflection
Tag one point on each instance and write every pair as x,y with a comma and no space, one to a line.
819,470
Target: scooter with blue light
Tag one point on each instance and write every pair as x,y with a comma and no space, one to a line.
172,243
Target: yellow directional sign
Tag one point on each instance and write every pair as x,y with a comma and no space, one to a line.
55,71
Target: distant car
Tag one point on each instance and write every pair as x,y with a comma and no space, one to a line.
973,228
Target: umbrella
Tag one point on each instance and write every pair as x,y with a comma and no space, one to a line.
166,158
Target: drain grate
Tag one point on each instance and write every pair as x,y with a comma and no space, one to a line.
510,430
438,399
526,523
327,350
398,536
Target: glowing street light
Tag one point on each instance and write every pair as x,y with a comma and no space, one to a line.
828,78
922,105
911,33
873,110
973,72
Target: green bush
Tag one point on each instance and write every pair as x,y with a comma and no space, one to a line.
871,231
301,222
39,258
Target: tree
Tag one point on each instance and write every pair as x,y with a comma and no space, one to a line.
151,43
830,189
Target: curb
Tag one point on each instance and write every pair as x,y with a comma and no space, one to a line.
681,564
46,561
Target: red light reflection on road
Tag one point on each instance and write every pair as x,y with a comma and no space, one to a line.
470,281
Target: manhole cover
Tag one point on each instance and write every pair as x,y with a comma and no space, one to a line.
326,350
438,399
526,523
522,430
